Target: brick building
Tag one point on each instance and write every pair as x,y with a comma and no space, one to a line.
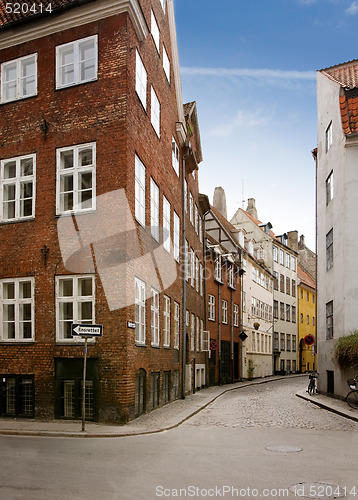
99,163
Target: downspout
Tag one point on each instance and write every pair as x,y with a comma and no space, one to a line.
219,325
203,278
232,333
184,285
241,319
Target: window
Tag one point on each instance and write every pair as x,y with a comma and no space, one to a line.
275,253
275,342
308,296
175,165
224,312
211,308
293,314
201,277
155,112
282,283
166,329
329,320
155,31
185,195
154,389
293,263
293,288
163,3
17,395
75,296
205,338
329,188
187,266
301,318
308,319
275,309
154,209
288,342
301,293
18,188
313,320
155,317
231,277
282,311
191,208
200,229
17,310
313,298
288,312
275,280
328,137
176,384
282,257
192,333
243,298
329,250
76,178
198,333
218,268
288,260
19,78
166,387
176,325
288,285
139,311
196,218
176,236
236,315
140,392
253,341
282,342
197,274
166,224
141,81
76,62
139,191
294,343
192,265
166,64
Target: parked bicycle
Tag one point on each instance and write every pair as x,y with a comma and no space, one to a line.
352,396
312,384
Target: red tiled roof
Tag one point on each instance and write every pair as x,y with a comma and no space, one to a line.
305,277
36,8
346,75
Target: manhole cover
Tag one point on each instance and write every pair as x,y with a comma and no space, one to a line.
284,449
317,490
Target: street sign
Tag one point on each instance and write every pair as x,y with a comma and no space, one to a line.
309,339
243,336
86,330
213,345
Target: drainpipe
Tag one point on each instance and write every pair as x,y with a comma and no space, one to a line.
232,333
184,286
203,278
219,324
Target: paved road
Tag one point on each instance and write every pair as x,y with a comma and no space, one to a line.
224,446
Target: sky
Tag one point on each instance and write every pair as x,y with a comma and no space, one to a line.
251,66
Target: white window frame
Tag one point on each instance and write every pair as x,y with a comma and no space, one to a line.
154,209
154,323
76,301
141,80
288,260
224,319
192,332
77,62
139,191
329,137
192,265
197,274
139,311
187,264
176,325
329,188
201,278
166,322
185,196
18,80
293,263
205,340
198,334
166,224
191,208
200,229
166,64
196,214
17,302
175,165
176,245
155,112
236,315
154,29
18,182
211,307
275,253
231,273
218,271
76,172
163,4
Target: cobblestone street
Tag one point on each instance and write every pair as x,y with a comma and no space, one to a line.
269,405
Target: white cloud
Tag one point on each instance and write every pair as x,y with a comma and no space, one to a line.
276,74
244,119
353,9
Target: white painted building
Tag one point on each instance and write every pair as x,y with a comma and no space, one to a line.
337,236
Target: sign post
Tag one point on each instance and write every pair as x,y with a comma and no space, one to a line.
85,331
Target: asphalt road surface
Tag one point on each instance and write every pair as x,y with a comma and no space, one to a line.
256,442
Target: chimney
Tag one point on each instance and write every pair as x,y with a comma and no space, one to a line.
301,243
293,240
251,208
219,201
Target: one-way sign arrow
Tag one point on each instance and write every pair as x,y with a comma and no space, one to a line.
87,330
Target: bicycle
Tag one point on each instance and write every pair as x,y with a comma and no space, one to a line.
312,385
352,396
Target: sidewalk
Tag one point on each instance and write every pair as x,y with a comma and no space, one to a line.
162,419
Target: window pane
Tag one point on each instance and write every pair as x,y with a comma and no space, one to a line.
9,170
66,159
10,71
86,312
9,290
68,398
85,157
66,288
25,289
87,60
85,286
66,311
26,166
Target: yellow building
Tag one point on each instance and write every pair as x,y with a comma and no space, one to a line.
306,320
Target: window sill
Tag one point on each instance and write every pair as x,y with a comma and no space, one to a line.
19,99
139,344
155,346
16,221
75,84
17,341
